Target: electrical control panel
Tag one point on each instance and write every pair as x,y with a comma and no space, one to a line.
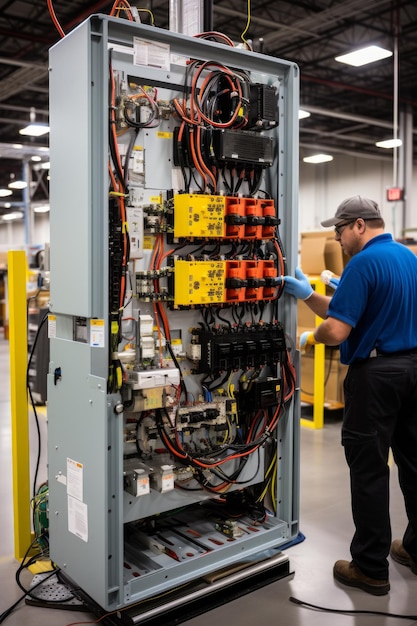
172,431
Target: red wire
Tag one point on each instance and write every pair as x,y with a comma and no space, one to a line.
195,159
118,5
54,18
201,159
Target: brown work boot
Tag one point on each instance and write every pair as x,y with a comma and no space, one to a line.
400,555
349,574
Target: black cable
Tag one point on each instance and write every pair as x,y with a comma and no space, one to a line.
35,341
29,592
223,319
139,451
32,559
233,479
132,141
11,608
349,612
113,151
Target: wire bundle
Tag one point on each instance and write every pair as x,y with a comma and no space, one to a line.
218,99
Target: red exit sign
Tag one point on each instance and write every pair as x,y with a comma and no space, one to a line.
394,194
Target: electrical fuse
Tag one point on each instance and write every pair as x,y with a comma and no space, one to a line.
162,479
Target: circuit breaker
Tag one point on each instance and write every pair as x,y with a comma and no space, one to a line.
172,400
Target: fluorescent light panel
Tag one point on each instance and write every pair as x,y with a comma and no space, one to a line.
15,215
363,56
35,130
18,184
302,114
389,143
318,158
5,192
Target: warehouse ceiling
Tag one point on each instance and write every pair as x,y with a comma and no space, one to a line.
351,108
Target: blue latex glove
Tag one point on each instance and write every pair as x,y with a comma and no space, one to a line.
299,287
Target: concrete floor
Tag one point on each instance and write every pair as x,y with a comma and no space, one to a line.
325,522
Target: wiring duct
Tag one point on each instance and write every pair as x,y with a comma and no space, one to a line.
218,100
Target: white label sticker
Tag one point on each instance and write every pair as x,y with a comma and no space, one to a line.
142,485
97,333
78,518
75,479
152,54
51,326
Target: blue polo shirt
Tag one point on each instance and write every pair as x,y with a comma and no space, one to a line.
377,296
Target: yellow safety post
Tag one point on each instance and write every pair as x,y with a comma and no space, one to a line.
318,371
17,274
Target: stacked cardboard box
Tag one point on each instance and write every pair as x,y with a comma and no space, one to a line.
320,251
334,371
334,375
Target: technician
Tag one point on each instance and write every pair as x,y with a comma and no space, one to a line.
373,317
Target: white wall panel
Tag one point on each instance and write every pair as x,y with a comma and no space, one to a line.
324,186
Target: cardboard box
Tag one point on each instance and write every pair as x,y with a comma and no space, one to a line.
334,375
320,251
306,319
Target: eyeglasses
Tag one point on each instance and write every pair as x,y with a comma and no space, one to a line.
341,227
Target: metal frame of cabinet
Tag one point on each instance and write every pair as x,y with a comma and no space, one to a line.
88,508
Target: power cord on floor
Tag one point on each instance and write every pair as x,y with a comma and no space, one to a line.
11,608
349,611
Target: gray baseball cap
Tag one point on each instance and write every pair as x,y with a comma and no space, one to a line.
352,208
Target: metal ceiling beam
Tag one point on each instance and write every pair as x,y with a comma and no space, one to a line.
17,62
262,22
338,136
322,20
21,80
15,107
14,120
338,150
369,121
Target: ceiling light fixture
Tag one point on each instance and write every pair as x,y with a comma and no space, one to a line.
5,192
389,143
17,184
303,114
363,56
43,208
318,158
15,215
34,129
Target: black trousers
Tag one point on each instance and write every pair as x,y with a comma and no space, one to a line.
380,413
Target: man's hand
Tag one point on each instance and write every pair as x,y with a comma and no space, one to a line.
307,341
328,278
299,287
